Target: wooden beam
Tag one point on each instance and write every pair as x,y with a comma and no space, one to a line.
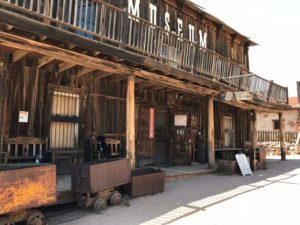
65,66
107,97
17,55
83,71
116,79
237,96
8,27
24,44
211,133
144,84
130,122
43,61
254,138
100,76
176,84
282,137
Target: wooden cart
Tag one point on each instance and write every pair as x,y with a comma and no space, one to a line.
95,184
23,188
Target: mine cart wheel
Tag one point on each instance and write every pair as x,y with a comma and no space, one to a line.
100,204
6,222
36,218
116,198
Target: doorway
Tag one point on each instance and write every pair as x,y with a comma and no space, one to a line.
161,137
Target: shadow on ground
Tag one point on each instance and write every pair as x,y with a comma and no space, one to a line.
184,197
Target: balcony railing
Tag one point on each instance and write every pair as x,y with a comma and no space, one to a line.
106,23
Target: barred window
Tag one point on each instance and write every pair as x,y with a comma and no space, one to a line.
64,121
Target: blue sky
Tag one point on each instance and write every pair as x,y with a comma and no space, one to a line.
275,26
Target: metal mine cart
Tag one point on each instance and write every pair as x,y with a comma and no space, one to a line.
95,184
23,188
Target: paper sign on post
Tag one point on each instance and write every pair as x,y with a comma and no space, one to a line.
23,117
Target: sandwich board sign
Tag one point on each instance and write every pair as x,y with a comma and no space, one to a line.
243,164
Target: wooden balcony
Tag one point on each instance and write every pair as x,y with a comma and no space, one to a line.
102,22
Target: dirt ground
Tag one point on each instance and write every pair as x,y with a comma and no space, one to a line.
270,196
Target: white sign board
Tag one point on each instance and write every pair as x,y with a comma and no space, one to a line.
23,117
180,120
243,164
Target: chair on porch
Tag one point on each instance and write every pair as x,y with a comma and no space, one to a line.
22,149
114,145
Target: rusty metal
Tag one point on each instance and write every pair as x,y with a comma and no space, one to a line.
26,188
101,175
146,181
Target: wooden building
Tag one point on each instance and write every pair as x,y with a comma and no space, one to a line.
169,80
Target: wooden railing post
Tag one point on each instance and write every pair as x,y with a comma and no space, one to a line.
124,31
211,133
282,136
130,121
196,58
270,90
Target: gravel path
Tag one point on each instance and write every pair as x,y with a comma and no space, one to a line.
268,197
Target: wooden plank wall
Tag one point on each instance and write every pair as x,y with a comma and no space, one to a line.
241,123
99,115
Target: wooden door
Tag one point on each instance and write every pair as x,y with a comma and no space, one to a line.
228,132
145,144
180,143
161,137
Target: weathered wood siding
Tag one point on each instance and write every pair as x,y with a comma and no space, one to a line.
219,39
98,113
241,125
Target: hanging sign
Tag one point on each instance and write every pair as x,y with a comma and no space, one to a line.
180,120
23,117
151,123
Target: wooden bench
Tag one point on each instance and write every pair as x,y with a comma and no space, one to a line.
22,148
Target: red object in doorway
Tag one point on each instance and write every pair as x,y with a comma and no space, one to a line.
151,123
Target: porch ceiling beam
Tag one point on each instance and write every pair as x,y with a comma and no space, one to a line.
154,88
83,71
24,44
176,84
8,27
65,66
43,61
18,55
100,76
248,106
116,79
144,84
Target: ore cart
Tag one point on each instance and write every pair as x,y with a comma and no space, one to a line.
23,188
96,183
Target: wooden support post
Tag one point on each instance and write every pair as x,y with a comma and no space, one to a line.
33,104
1,109
254,139
130,121
211,133
282,136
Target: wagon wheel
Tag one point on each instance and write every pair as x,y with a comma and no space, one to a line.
116,198
100,204
36,218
